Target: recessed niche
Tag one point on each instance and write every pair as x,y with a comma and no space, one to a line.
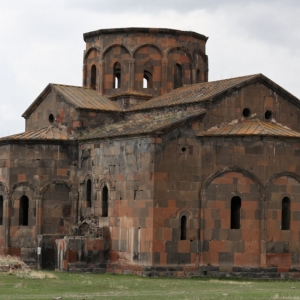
51,118
268,115
246,112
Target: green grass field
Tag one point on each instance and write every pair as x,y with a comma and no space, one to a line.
105,286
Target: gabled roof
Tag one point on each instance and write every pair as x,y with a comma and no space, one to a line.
251,128
76,96
207,91
51,133
143,124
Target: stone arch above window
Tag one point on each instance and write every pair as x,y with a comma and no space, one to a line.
235,213
23,211
285,213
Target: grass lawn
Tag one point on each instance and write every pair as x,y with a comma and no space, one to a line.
106,286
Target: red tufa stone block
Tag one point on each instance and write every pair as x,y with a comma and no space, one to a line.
14,251
233,175
21,177
157,140
245,180
163,258
219,204
252,247
283,270
281,180
167,234
281,260
76,124
158,246
114,256
71,256
184,246
158,176
223,180
171,203
217,246
120,177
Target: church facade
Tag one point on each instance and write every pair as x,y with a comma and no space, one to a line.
151,169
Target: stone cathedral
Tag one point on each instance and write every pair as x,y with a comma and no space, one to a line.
151,169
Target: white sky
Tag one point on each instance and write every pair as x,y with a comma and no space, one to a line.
41,41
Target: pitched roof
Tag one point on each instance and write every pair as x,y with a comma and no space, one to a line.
250,128
53,133
147,123
78,97
206,91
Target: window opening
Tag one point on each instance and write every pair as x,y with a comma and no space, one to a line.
147,81
198,76
1,210
235,213
285,214
183,228
177,76
89,193
246,112
51,118
117,75
268,115
105,201
24,209
93,77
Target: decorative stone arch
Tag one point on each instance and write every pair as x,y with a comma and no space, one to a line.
59,181
219,173
198,51
23,183
72,203
183,49
112,46
184,217
199,68
87,52
136,48
281,174
26,194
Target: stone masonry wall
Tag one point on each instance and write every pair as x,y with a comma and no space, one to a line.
43,174
148,49
126,168
262,172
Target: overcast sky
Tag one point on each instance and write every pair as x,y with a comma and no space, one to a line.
41,41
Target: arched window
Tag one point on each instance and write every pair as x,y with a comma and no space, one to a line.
24,210
105,201
183,228
1,210
93,77
177,76
89,193
147,81
198,76
117,75
235,213
285,214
